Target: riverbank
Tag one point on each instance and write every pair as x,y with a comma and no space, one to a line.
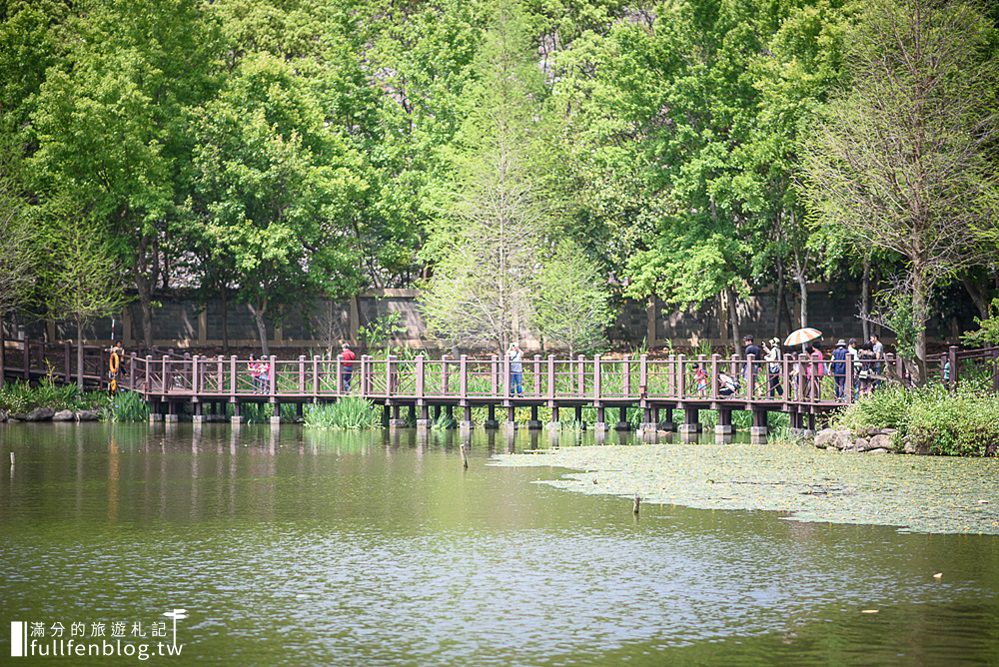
916,494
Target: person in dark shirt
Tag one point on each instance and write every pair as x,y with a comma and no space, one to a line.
751,348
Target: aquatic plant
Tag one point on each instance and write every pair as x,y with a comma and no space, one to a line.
21,397
348,413
126,406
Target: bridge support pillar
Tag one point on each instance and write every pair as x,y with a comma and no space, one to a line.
664,419
579,418
466,419
534,424
423,421
622,419
553,425
236,418
724,425
600,426
690,427
449,412
511,418
758,432
171,415
396,420
490,423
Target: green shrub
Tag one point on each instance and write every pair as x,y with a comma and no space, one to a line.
886,407
962,424
931,418
20,397
348,413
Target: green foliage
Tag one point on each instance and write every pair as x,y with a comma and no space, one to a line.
20,397
886,407
379,332
961,424
931,419
126,406
571,301
988,328
350,413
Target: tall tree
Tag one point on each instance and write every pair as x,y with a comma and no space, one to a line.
275,186
901,157
111,123
486,247
82,281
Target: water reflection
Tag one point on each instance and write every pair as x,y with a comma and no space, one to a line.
394,546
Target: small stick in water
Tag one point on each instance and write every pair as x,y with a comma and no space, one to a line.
637,505
12,458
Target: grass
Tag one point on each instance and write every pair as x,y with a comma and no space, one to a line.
350,413
126,406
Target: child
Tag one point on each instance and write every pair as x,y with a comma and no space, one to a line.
701,378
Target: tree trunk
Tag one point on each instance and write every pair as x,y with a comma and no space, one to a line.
225,321
803,297
780,297
258,313
3,351
733,318
978,296
146,307
919,319
865,299
723,307
79,354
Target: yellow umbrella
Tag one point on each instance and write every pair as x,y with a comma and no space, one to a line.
802,336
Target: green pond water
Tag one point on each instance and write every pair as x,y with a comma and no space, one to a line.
294,548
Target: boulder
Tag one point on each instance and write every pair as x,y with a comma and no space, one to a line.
832,438
880,441
878,450
87,416
909,447
63,416
3,416
858,445
39,415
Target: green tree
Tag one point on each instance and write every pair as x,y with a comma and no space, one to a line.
81,279
485,248
901,158
111,124
571,301
275,185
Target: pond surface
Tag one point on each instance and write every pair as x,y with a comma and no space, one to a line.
293,548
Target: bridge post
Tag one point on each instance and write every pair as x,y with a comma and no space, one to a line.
665,423
690,426
553,425
622,419
581,375
445,375
315,378
511,418
534,424
758,432
466,419
301,374
579,417
490,423
131,371
26,361
494,374
272,379
724,425
537,376
449,411
681,378
952,360
423,421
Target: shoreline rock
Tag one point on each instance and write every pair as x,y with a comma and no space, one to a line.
64,416
879,441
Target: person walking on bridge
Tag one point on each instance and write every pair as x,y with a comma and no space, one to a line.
516,358
347,358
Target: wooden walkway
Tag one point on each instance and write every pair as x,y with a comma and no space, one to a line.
203,386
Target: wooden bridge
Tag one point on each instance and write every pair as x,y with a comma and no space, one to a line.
798,385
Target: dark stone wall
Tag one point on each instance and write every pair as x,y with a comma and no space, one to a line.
180,323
